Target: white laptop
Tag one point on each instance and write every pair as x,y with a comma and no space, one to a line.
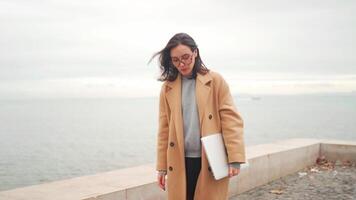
216,153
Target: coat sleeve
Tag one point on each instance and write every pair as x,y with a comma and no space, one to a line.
162,136
231,124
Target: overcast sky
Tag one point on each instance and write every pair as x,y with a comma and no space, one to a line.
84,48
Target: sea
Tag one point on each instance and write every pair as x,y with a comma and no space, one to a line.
44,140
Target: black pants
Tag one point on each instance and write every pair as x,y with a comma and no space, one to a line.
192,169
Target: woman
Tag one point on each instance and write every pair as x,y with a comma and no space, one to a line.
194,102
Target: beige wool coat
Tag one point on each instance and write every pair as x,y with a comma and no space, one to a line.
217,113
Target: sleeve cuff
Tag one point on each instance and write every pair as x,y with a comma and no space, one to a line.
235,165
162,172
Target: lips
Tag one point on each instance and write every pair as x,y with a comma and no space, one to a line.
184,69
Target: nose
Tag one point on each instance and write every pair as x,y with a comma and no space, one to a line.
181,64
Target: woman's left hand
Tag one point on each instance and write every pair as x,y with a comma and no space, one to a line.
233,171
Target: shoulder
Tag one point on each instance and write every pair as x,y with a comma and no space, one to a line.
215,75
163,88
164,84
217,79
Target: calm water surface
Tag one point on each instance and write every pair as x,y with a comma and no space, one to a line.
47,140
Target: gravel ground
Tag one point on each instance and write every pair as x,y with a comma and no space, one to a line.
325,180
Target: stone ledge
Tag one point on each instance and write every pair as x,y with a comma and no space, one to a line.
267,162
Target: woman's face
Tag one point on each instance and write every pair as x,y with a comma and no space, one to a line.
183,59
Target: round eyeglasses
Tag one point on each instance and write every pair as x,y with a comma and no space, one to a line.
185,59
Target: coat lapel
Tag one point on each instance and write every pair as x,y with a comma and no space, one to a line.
202,90
174,98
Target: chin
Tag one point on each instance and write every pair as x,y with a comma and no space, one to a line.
186,73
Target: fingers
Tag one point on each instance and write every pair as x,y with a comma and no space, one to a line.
162,181
233,171
230,171
159,181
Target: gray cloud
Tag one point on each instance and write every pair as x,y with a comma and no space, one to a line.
69,39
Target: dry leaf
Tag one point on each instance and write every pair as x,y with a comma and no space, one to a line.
301,174
276,191
347,163
314,170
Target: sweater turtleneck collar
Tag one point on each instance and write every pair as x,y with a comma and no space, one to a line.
187,76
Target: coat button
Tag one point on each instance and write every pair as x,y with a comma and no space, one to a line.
210,116
170,168
171,144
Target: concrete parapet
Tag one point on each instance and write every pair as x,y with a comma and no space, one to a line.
267,162
338,150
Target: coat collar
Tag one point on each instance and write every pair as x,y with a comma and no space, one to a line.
204,79
174,99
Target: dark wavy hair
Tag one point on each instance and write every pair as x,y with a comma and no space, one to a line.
168,70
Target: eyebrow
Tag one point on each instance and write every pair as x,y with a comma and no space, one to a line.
179,56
